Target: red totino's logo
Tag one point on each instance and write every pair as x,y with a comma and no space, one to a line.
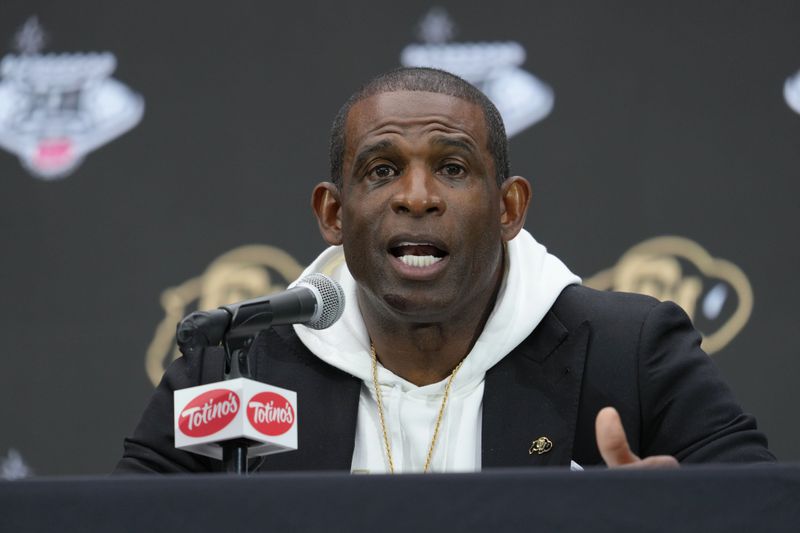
208,413
270,413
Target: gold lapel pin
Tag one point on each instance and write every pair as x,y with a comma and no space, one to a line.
540,446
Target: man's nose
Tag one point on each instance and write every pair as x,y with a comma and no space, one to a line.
418,193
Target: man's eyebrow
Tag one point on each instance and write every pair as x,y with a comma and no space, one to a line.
455,143
369,150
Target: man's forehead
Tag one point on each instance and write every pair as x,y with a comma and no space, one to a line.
414,108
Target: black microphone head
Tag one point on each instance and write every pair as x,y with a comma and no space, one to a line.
330,300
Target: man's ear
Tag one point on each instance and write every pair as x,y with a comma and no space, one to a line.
327,206
515,195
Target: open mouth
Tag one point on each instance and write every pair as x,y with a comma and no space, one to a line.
418,254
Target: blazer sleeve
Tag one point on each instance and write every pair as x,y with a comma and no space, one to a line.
687,409
151,448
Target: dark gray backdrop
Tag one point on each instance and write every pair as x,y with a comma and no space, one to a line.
669,119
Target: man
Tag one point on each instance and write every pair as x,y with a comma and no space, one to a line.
464,344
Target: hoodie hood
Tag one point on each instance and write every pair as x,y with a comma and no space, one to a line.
532,281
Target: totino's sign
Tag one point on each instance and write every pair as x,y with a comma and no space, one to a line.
270,413
208,413
239,408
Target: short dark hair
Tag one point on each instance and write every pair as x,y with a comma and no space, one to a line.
428,80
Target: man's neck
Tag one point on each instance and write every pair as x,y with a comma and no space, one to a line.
425,353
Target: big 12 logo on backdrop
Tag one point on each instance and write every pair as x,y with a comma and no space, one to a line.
791,91
493,67
57,108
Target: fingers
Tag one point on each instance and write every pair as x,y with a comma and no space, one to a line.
613,445
657,461
611,439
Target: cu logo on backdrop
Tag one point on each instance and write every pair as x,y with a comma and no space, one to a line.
714,292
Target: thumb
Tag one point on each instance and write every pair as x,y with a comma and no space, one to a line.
611,439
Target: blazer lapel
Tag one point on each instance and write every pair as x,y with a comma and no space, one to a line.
327,402
530,400
531,395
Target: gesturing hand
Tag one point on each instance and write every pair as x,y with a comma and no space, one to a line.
613,444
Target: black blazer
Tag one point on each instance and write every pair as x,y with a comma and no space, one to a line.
592,349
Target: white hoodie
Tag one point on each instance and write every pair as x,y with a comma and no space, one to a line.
532,281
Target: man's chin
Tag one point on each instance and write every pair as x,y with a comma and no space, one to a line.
420,309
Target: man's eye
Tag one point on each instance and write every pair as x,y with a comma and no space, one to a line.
453,171
382,171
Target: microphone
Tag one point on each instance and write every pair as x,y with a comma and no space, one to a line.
316,301
238,416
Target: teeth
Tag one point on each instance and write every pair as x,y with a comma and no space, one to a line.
419,260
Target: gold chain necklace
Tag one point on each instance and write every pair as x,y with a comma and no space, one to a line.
379,397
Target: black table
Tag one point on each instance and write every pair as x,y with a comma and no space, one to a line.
703,499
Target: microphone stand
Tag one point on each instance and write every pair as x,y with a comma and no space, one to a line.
234,456
208,328
235,326
234,452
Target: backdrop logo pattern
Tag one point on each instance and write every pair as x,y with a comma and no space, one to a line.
493,67
791,91
57,108
714,292
13,466
242,273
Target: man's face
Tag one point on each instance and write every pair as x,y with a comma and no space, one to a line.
420,206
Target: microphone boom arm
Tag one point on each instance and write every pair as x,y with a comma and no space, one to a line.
316,301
